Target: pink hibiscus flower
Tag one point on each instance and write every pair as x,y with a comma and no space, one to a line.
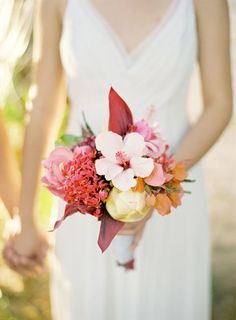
123,159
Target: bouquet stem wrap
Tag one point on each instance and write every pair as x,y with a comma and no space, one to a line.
120,247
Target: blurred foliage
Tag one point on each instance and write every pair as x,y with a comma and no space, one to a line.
22,298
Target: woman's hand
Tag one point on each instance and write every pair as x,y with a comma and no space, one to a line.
136,229
25,252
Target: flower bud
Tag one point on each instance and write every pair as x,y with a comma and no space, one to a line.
127,206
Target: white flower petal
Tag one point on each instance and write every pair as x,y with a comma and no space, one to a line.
142,166
109,143
107,168
134,145
125,180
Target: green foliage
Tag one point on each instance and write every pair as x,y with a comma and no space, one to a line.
68,140
13,112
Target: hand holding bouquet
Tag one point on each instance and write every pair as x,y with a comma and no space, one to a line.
118,176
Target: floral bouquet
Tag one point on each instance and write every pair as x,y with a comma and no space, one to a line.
118,176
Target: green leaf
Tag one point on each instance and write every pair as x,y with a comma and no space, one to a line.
68,140
189,180
148,188
187,191
87,127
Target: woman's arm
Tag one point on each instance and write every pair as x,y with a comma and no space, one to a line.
48,105
214,60
26,251
9,173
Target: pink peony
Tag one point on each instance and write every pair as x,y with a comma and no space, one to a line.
54,178
123,159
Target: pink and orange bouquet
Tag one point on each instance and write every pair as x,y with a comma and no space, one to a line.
118,176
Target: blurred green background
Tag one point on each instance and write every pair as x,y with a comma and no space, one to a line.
28,299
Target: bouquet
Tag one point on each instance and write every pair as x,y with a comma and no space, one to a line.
118,176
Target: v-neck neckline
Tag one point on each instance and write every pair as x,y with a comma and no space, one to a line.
130,56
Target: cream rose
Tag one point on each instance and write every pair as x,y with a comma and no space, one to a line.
127,206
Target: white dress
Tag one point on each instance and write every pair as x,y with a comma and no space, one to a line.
171,279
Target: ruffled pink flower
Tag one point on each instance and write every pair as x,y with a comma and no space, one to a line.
123,159
54,178
152,136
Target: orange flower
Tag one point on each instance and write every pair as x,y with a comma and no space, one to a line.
163,204
175,184
179,171
139,185
175,197
150,200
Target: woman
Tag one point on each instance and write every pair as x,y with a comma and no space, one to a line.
148,59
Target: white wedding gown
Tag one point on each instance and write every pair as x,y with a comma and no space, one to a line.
171,279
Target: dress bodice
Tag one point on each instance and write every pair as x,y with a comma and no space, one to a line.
156,72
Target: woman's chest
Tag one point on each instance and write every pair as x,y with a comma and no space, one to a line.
90,47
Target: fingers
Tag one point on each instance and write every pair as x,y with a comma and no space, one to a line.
132,228
24,265
9,257
135,229
12,260
26,253
30,264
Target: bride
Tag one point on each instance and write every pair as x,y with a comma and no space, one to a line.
146,50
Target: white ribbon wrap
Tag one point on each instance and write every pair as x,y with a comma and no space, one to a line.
120,246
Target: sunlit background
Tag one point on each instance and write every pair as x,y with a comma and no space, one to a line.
28,299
